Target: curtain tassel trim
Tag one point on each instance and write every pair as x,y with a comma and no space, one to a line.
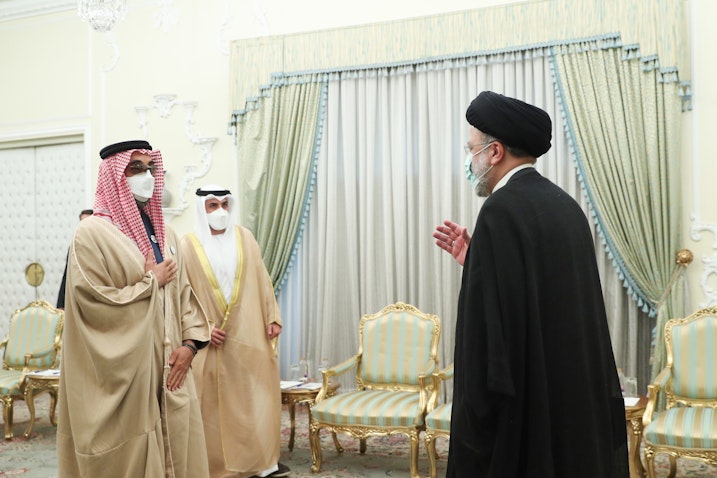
629,52
686,95
311,183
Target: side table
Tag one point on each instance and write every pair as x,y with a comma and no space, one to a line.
294,395
633,419
36,383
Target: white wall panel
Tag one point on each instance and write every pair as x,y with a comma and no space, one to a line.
42,193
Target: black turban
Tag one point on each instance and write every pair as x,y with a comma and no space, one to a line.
513,122
108,151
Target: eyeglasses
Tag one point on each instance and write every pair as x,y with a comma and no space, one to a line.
469,149
138,167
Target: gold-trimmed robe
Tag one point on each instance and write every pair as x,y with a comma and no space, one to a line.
238,384
115,416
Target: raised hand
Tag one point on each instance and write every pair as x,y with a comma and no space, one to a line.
454,239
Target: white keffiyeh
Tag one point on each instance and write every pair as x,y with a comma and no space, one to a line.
221,249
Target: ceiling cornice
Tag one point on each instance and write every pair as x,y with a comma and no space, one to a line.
15,9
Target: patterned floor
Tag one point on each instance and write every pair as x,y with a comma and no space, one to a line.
385,456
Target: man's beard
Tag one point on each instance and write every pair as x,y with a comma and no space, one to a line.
481,188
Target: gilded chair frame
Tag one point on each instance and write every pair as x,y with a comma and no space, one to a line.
362,432
431,433
8,400
663,382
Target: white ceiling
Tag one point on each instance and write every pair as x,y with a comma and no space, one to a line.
14,9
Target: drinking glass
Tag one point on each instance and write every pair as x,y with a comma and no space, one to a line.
631,387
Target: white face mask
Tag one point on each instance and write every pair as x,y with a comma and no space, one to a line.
141,185
219,219
477,182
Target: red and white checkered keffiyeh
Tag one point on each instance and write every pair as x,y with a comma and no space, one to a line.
114,199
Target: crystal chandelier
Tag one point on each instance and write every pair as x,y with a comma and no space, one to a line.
102,14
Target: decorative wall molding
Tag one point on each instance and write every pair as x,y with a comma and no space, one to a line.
111,42
163,104
16,9
709,262
191,173
166,16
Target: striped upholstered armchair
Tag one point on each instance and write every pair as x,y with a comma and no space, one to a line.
396,346
438,419
688,426
33,343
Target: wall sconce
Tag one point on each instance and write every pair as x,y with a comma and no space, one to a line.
164,104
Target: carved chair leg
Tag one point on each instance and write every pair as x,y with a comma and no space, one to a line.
53,405
650,462
315,444
673,466
431,450
338,446
413,437
7,416
362,446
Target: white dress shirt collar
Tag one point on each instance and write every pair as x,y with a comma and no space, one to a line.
504,180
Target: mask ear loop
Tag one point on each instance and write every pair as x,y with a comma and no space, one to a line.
484,173
469,163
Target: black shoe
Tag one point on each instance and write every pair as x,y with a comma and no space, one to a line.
282,471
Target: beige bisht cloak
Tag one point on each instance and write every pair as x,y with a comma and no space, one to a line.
238,384
115,416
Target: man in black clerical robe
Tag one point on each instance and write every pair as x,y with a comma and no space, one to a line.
536,391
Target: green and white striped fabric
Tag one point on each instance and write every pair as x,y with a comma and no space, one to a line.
371,408
32,330
685,427
440,417
694,352
396,348
10,382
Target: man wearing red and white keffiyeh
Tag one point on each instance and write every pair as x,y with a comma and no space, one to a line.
115,200
127,400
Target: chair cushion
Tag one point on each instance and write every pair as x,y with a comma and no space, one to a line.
684,427
10,382
440,418
380,408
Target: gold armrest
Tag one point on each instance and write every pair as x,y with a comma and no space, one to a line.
438,378
446,373
334,371
343,367
426,390
653,392
33,355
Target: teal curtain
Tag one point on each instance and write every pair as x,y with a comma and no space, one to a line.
623,115
277,138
